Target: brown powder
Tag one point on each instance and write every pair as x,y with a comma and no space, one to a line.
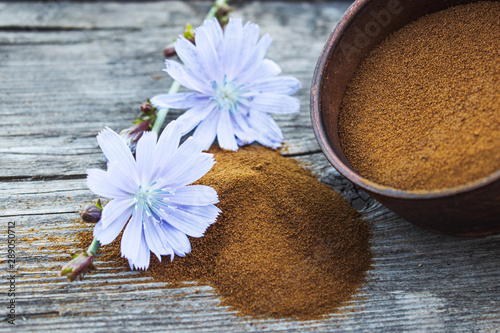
422,112
285,245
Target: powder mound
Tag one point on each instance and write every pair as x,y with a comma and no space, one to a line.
422,111
285,245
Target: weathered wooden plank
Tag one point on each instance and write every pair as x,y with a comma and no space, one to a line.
434,282
84,72
68,69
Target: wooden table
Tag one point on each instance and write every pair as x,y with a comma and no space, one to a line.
69,69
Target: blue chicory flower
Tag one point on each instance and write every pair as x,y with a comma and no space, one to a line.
151,192
234,86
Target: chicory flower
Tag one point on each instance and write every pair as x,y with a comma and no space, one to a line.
152,193
234,87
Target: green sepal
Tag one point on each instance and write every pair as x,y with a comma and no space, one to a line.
67,270
189,32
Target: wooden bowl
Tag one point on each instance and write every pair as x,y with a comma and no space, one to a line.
469,210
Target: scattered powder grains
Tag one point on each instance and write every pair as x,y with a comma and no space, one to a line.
285,245
422,112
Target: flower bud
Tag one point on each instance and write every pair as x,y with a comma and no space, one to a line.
79,265
132,134
146,108
189,33
91,213
222,15
169,51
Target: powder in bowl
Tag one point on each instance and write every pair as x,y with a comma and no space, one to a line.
422,111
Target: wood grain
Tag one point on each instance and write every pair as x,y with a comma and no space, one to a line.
68,69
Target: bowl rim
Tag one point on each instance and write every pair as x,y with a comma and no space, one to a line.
323,140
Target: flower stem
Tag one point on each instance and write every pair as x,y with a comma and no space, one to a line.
92,250
162,113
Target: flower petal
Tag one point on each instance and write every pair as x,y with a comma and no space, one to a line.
119,176
184,76
231,48
267,69
207,40
251,32
207,129
285,85
178,100
209,213
115,209
203,163
192,117
275,103
184,158
188,53
176,239
156,243
99,183
115,149
194,195
214,30
166,147
225,132
254,59
106,235
143,256
144,154
186,223
242,129
269,133
131,239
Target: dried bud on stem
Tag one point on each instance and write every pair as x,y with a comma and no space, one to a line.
92,213
146,108
78,266
81,263
222,15
143,122
169,51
